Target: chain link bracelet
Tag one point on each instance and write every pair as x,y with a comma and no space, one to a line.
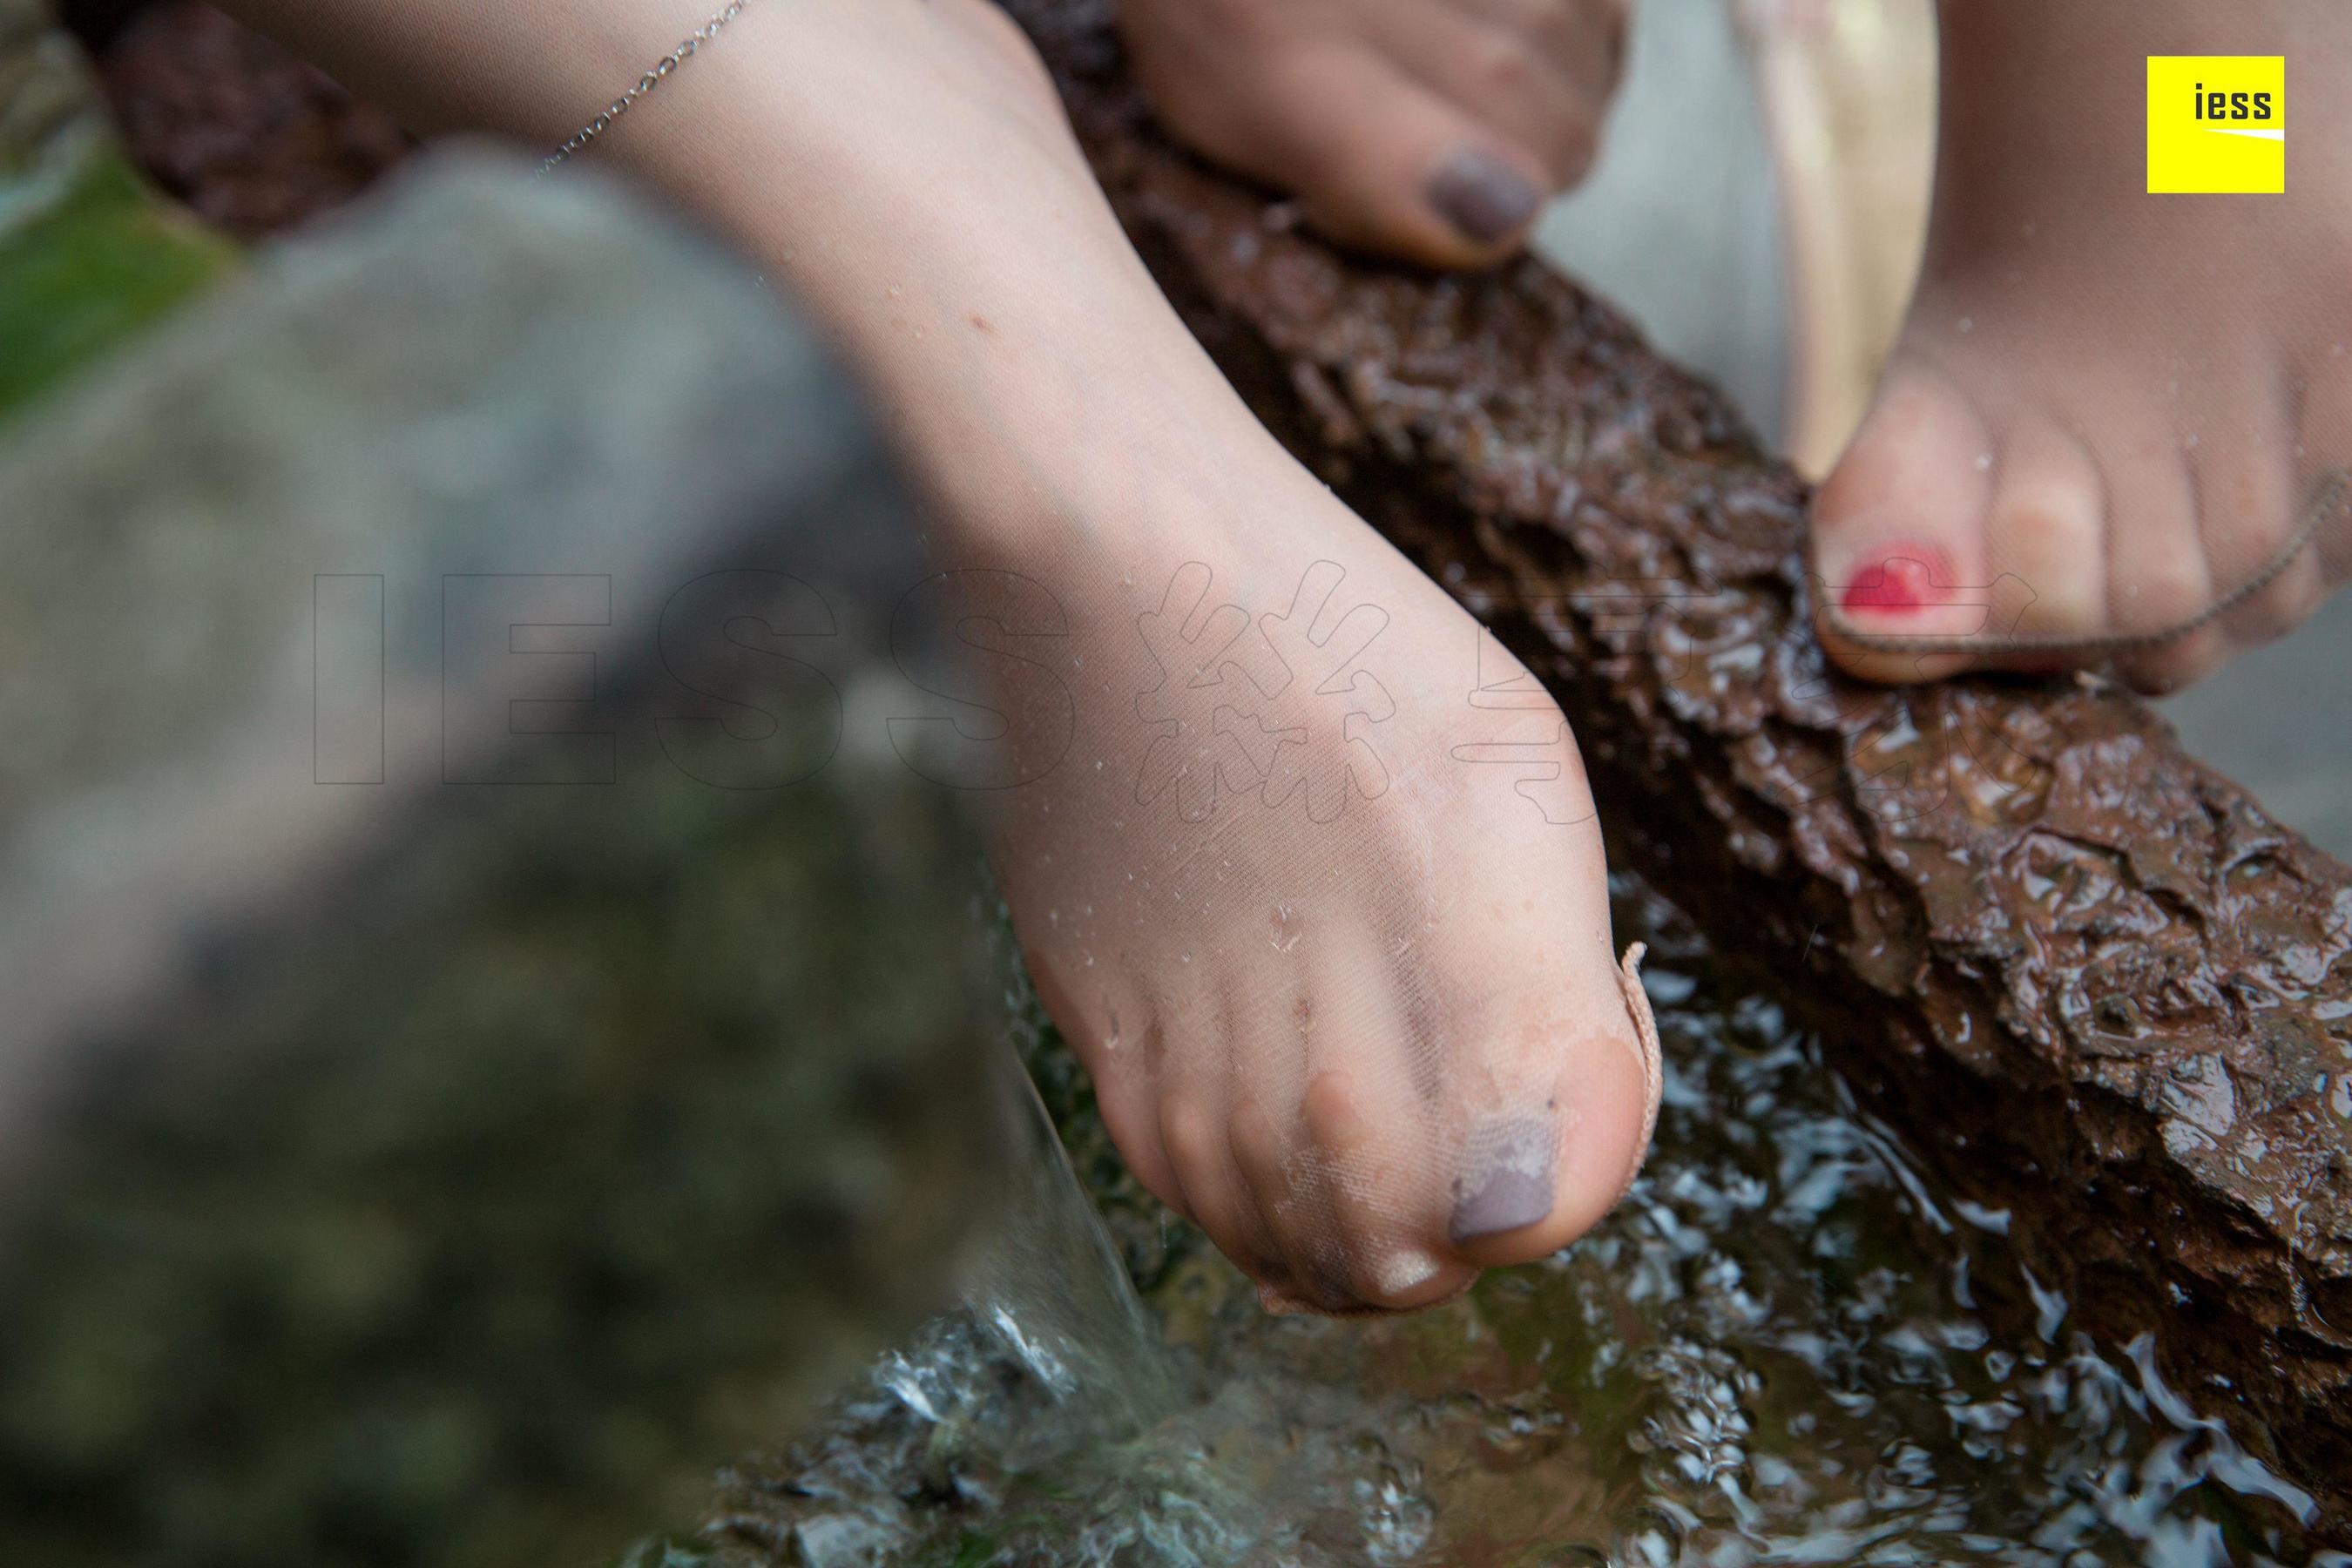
646,84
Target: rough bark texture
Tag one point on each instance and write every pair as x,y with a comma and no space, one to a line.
249,137
2086,974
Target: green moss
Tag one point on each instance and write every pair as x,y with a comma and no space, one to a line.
89,272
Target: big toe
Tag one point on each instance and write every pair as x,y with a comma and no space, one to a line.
1540,1163
1523,1185
1378,159
1944,541
1497,1148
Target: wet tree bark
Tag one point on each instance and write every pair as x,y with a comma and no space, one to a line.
2089,977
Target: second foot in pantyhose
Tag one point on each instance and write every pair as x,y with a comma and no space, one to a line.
2113,430
2114,426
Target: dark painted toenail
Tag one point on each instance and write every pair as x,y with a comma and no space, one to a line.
1511,1187
1899,581
1510,1199
1483,198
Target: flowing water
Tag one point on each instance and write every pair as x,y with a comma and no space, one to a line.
1778,1350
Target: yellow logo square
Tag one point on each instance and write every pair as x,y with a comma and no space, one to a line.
2216,123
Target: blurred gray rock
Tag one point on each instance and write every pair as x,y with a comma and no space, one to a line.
492,1025
494,378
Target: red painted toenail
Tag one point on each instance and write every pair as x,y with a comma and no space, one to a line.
1906,578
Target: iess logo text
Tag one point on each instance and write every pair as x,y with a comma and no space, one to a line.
2216,123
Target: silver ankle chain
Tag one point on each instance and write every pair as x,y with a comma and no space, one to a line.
646,84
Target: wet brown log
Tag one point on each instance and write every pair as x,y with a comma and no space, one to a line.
2087,976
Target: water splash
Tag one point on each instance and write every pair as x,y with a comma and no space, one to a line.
1781,1349
1052,1291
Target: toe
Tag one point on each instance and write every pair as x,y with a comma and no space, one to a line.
2161,576
2323,465
2255,502
1379,159
1440,1135
1367,1123
1313,1254
1383,163
1553,1127
1215,1193
1541,85
2045,541
1898,545
1368,1157
1104,1030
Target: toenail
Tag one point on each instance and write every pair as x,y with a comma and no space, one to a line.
1483,198
1508,1183
1407,1271
1909,577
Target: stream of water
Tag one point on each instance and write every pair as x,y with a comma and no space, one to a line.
1775,1352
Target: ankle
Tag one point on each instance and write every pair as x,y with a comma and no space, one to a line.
901,169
